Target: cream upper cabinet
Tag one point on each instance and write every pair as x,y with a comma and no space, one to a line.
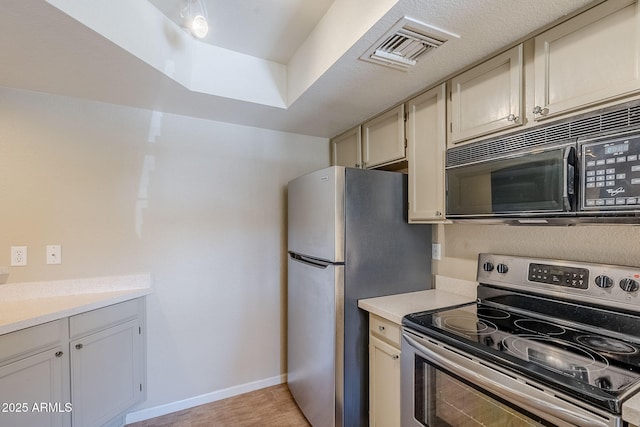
591,58
488,97
346,149
426,146
383,140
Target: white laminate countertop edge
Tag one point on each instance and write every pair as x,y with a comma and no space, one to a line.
395,307
27,304
631,410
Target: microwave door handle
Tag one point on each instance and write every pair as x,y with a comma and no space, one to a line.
568,187
498,383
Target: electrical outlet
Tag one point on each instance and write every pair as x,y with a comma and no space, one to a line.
436,251
54,254
18,256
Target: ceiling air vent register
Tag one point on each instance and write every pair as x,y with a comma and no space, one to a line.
406,42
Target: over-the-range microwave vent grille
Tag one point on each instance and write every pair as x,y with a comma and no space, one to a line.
610,119
406,42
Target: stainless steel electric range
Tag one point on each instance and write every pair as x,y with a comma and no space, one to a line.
548,342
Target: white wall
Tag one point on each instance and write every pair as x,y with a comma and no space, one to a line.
199,204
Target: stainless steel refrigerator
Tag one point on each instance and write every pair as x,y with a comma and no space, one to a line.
348,238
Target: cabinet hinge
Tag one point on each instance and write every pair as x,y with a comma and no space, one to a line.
140,386
406,116
139,330
451,127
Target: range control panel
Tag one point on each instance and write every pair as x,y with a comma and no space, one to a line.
604,284
610,174
559,275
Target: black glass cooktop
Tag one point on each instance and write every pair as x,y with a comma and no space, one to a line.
591,352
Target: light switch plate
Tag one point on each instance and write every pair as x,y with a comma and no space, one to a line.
54,254
436,251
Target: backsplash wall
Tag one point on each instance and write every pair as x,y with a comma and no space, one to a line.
461,244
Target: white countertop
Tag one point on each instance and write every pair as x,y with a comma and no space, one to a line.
631,410
23,305
395,307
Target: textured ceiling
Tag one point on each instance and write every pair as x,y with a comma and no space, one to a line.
57,54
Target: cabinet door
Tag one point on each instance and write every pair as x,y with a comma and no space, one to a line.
589,59
384,383
426,147
487,98
106,374
33,391
346,149
383,139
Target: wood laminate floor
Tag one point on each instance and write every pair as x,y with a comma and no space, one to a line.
268,407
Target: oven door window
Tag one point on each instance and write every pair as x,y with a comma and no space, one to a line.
442,400
531,183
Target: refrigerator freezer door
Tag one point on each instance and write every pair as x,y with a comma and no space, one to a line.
314,336
316,214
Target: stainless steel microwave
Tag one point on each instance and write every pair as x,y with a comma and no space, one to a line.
595,178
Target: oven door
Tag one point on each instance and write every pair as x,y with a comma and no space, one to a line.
535,183
442,386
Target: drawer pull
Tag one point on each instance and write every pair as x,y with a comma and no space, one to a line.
79,346
395,357
381,328
59,354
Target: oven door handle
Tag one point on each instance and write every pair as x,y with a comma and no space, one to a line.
532,399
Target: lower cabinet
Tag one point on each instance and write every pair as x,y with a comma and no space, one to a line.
82,371
34,376
384,372
106,364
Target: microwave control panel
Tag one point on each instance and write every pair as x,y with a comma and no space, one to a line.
610,174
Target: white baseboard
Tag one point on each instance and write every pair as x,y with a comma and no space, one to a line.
179,405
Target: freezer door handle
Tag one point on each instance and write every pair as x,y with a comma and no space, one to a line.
314,262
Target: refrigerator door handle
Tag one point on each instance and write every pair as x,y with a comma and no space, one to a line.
314,262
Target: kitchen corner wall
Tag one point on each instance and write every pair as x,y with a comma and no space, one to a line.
198,204
461,244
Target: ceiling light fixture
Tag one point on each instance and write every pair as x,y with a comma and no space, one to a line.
194,18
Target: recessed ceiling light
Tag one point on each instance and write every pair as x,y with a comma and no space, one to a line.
194,18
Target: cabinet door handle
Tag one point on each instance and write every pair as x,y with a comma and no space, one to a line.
79,346
59,354
395,357
381,328
512,118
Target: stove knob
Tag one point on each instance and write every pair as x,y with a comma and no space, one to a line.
603,383
629,285
603,281
487,266
502,268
